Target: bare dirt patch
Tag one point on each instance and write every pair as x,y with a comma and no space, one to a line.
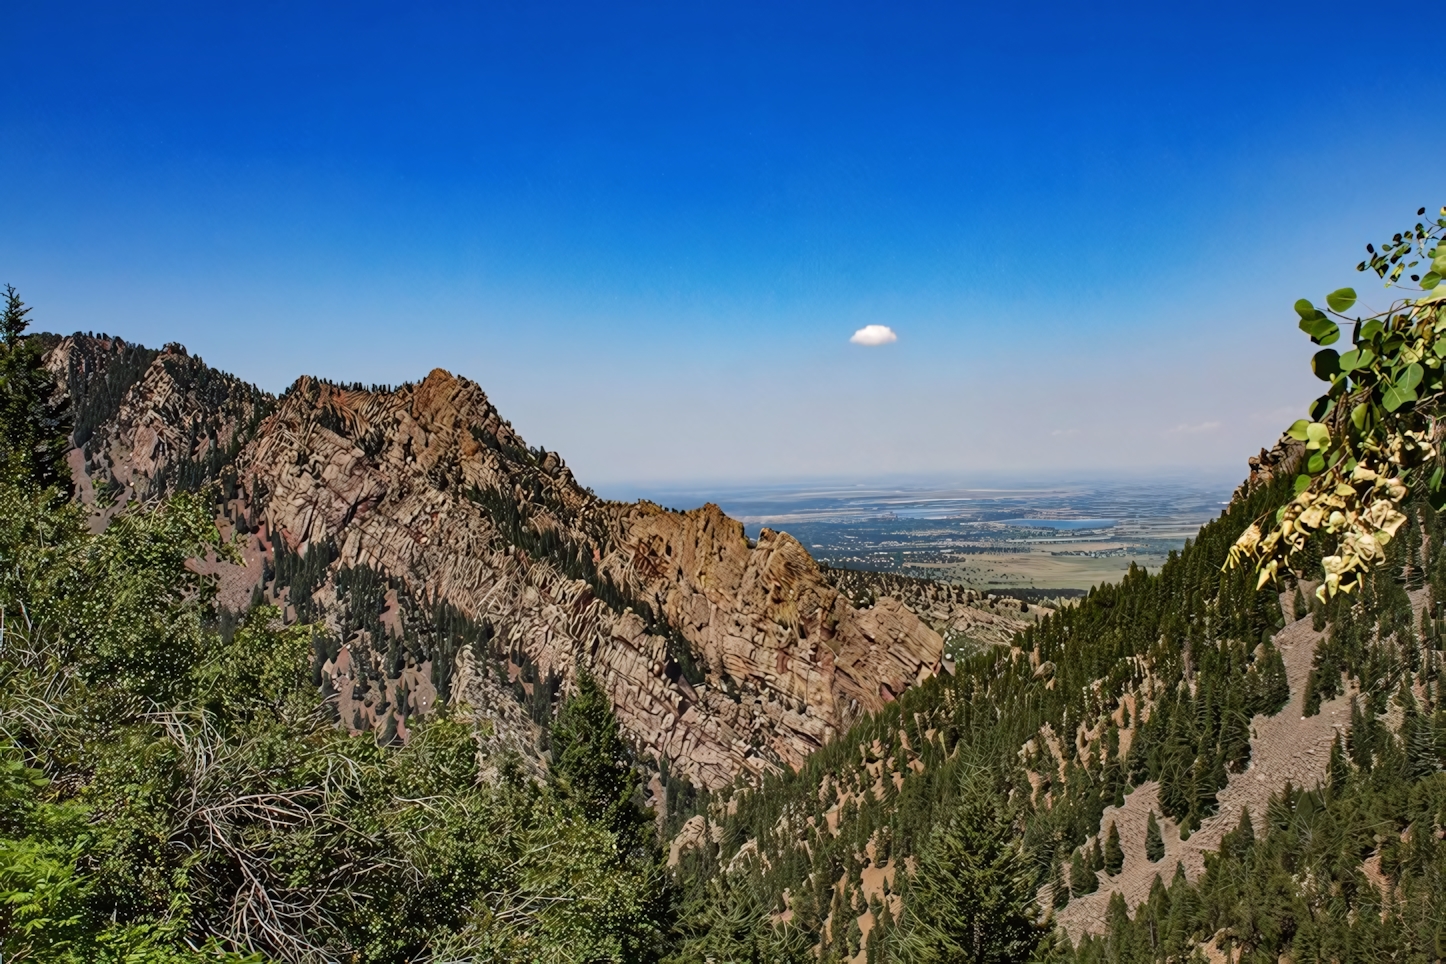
1284,748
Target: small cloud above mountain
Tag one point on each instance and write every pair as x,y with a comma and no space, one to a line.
874,335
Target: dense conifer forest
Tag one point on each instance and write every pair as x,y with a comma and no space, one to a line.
1195,643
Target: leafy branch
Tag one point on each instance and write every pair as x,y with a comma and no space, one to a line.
1370,440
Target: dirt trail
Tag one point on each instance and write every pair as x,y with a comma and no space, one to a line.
1284,747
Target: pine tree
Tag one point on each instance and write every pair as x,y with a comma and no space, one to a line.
1360,738
1082,880
1059,888
1235,734
1272,690
972,897
1242,838
1312,693
1297,606
34,425
1420,746
1338,770
1154,840
593,765
1114,855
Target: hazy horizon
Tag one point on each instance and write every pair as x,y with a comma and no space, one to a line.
689,493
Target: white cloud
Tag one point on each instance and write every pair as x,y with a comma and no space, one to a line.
1194,429
874,335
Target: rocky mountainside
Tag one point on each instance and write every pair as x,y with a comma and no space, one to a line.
450,560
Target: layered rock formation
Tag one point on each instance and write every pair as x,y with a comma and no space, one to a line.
148,422
721,655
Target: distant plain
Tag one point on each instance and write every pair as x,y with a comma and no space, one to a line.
1022,535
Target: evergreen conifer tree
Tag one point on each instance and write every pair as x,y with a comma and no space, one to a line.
1059,888
1420,746
592,764
1272,690
1082,880
34,425
1235,734
1154,840
1360,738
1242,838
1338,771
972,897
1114,855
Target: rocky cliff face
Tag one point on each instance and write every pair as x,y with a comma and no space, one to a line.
149,422
721,655
1282,458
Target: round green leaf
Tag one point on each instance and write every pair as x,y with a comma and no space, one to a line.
1322,330
1357,358
1326,364
1341,299
1315,464
1411,377
1302,482
1297,429
1305,309
1430,280
1396,396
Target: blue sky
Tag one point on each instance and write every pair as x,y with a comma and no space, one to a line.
648,230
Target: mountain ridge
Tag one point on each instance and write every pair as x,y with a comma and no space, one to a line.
721,655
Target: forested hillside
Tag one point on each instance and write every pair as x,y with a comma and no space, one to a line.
880,847
355,675
1051,731
173,789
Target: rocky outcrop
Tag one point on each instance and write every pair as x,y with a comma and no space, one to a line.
787,661
957,613
1282,458
147,422
721,654
763,619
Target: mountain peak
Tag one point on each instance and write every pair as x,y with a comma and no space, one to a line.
721,656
